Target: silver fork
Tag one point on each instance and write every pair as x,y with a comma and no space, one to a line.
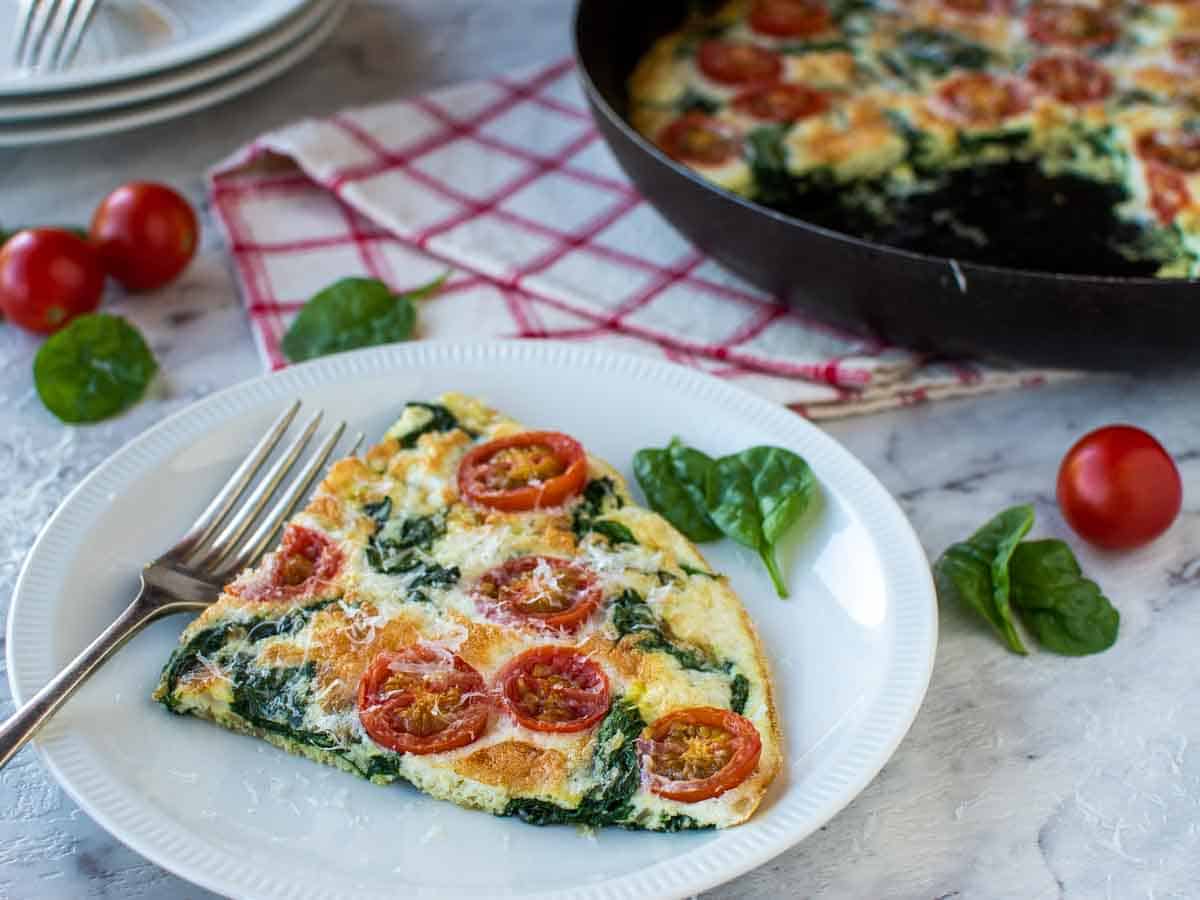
189,576
48,32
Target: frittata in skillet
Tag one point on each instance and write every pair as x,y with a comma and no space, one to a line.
484,612
887,99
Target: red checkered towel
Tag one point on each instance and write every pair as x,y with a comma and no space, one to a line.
506,184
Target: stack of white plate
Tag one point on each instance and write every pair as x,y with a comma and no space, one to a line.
143,61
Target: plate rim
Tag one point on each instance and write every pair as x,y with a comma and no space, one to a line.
907,674
156,60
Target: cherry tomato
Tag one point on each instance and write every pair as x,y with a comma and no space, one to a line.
527,471
1069,25
977,98
1118,487
694,754
781,102
790,18
539,590
304,566
48,276
731,62
554,689
1070,79
700,139
422,700
1179,150
1168,191
146,234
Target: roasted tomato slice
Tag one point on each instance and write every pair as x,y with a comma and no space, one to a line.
978,98
1070,79
1068,25
526,471
700,139
422,699
1186,51
1178,150
1168,192
304,565
781,102
790,18
733,62
694,754
977,7
554,689
539,590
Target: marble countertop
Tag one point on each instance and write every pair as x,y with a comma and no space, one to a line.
1024,778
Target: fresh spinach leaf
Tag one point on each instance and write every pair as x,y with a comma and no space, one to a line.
438,419
739,693
96,367
673,480
1065,611
975,572
756,495
352,313
615,769
938,52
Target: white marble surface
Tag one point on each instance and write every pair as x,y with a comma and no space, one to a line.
1022,778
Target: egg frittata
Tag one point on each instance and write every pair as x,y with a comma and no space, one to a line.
886,99
484,612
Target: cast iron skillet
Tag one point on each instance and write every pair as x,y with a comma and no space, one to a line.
927,302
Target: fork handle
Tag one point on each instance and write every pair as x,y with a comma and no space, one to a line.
22,725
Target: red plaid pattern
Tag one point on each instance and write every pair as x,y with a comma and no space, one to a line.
506,183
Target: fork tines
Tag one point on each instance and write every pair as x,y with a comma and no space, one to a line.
48,32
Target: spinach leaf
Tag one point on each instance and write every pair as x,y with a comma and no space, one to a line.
96,367
681,822
632,615
755,496
352,313
380,511
439,419
767,155
614,532
276,700
975,572
692,570
401,547
938,52
739,693
615,768
1065,611
289,623
673,481
598,498
692,100
186,659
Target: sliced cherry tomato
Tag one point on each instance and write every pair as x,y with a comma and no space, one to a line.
554,689
1186,51
304,565
527,471
977,7
731,62
1178,150
790,18
422,699
146,233
977,98
1168,192
48,276
1068,25
700,139
539,590
1071,79
1118,487
781,102
694,754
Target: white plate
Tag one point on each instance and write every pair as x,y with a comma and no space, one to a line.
131,38
851,651
20,110
174,105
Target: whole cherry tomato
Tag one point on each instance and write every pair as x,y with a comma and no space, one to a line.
1118,488
146,234
48,276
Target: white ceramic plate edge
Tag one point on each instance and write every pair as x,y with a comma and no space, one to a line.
884,724
173,107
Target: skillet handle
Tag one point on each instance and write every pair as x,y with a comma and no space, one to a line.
25,722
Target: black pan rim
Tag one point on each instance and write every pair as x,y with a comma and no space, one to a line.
596,97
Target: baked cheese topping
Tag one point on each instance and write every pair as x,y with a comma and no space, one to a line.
521,661
768,98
